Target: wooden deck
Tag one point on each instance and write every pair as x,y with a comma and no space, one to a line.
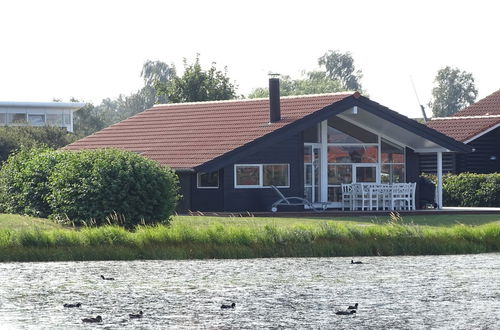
338,213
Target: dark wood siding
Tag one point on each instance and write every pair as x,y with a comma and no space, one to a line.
207,200
289,151
480,161
184,204
428,163
412,171
484,159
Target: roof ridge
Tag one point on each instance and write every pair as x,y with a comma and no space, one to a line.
467,117
257,99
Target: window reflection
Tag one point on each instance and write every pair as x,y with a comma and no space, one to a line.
352,154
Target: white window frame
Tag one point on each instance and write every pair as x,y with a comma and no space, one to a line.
261,175
202,187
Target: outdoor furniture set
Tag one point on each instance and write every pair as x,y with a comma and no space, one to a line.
373,197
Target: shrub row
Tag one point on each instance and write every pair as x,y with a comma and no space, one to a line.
100,186
470,189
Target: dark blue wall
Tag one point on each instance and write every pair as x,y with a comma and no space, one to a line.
211,200
480,160
288,151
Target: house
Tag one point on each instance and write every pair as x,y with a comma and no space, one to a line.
39,114
228,153
478,126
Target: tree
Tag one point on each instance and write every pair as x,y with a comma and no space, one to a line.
453,91
197,84
13,138
340,66
315,82
337,74
87,120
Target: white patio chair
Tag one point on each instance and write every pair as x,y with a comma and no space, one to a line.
361,196
413,187
380,197
347,196
401,196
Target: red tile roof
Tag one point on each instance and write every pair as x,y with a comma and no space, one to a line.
463,128
488,106
186,135
471,121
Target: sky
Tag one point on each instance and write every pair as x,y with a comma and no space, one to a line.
91,50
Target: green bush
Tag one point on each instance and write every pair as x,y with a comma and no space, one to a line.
24,181
110,184
470,189
91,186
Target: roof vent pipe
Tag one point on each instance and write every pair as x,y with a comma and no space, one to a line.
274,98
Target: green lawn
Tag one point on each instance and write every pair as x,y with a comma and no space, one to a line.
442,220
19,223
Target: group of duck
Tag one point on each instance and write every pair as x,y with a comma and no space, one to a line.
98,318
350,310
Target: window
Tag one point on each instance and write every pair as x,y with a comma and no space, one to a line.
343,132
2,118
36,120
261,175
208,180
275,175
393,162
352,154
16,118
54,119
67,119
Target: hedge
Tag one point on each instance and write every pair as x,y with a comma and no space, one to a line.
90,186
470,189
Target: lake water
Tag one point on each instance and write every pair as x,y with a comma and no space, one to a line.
423,292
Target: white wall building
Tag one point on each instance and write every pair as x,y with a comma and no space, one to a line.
58,114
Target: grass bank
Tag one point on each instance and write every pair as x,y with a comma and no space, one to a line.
212,237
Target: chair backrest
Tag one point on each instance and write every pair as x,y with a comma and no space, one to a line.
346,188
401,190
278,192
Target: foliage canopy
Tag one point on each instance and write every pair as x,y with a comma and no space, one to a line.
454,90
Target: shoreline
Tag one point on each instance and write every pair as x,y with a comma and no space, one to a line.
184,242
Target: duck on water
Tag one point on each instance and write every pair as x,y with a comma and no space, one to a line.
224,306
96,319
107,278
136,316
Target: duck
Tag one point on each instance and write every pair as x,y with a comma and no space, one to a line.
355,262
96,319
107,278
223,306
352,311
136,316
72,305
353,307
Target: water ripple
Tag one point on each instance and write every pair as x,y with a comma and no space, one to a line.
422,292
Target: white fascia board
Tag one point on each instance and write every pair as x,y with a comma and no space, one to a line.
424,150
47,105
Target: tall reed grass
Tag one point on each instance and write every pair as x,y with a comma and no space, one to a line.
181,241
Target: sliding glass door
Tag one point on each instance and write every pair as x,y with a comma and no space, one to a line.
338,152
312,172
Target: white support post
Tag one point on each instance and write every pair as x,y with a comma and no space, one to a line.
324,161
440,179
